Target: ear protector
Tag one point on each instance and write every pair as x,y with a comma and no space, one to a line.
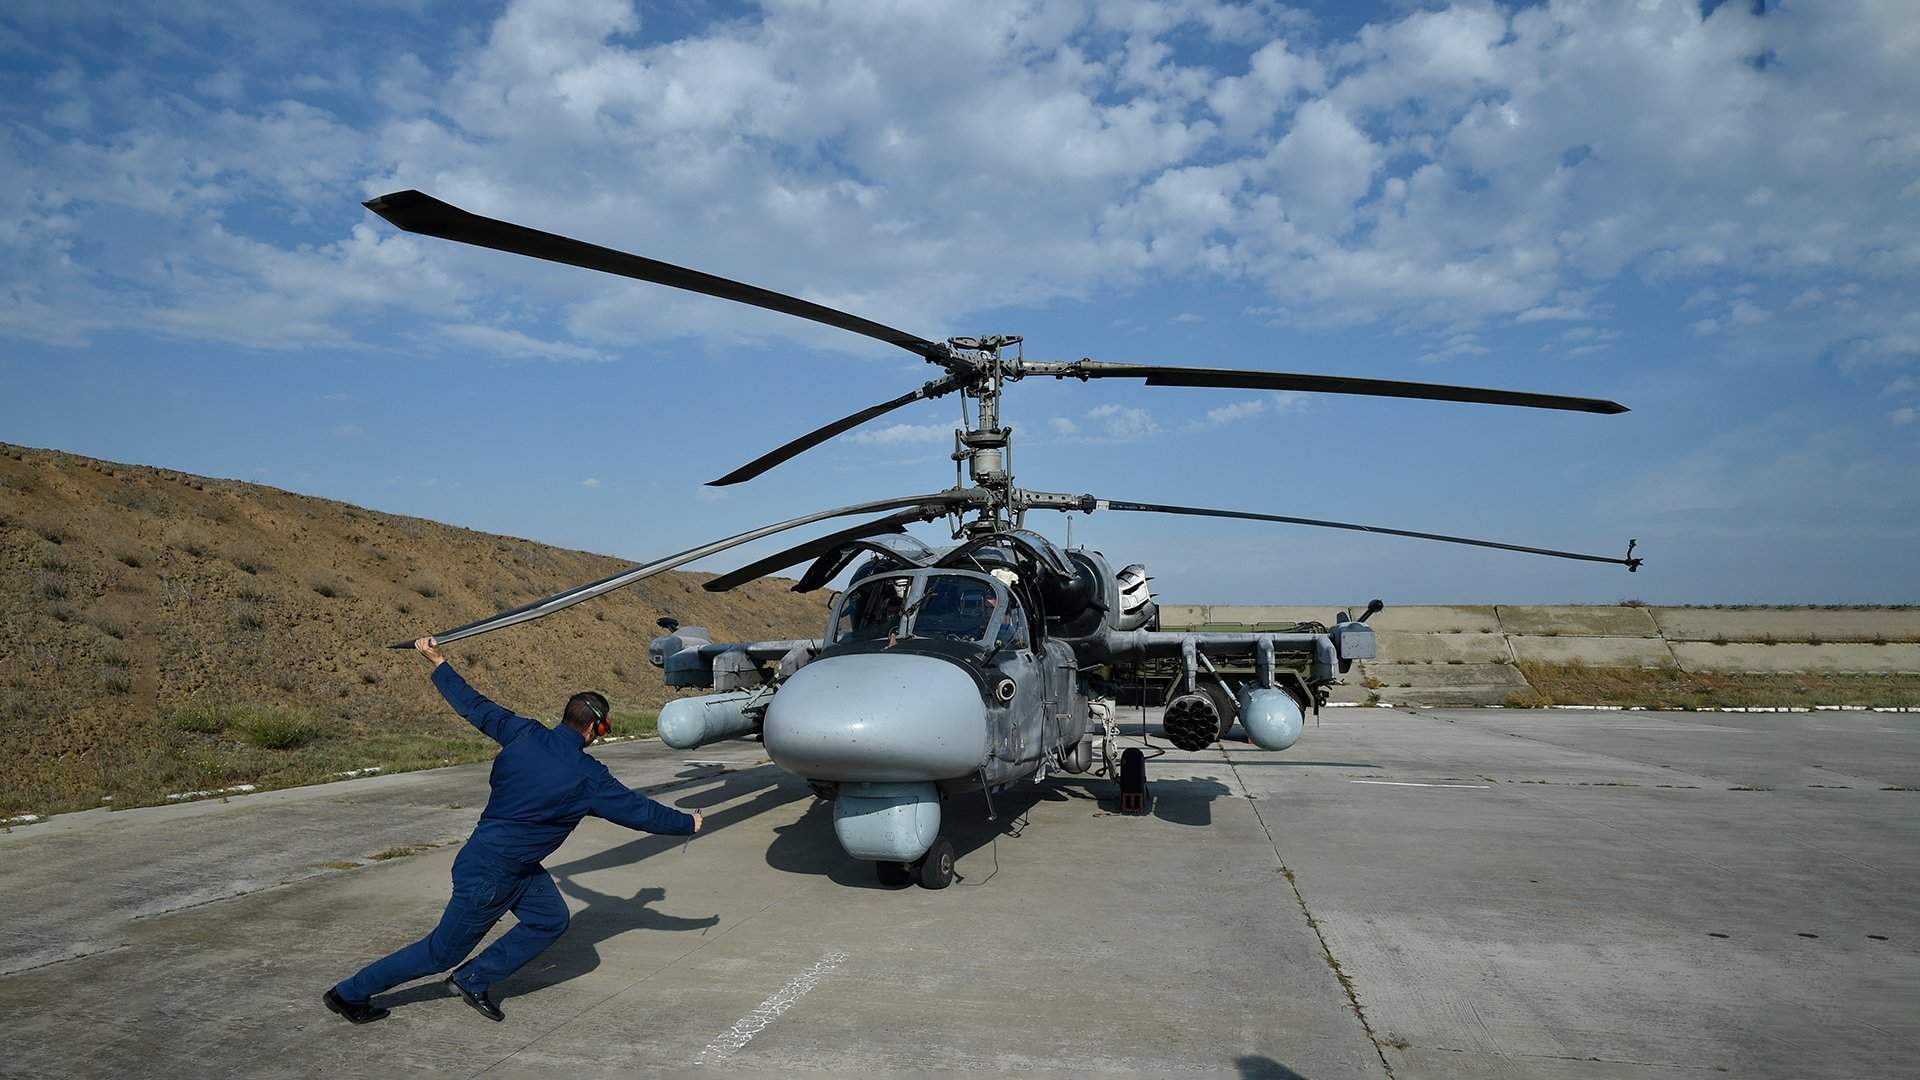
601,728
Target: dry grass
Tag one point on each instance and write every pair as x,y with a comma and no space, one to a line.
1672,688
159,664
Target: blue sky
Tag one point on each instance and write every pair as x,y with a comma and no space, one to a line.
1711,217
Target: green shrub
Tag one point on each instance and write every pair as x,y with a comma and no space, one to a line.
201,718
277,729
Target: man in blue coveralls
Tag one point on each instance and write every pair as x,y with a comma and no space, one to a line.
543,783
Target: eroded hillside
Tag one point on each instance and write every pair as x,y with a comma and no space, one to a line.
164,632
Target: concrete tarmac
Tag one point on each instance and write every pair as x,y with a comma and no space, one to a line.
1404,893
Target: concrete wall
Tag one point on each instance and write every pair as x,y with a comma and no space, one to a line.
1465,654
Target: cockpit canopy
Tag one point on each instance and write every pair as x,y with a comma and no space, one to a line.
951,605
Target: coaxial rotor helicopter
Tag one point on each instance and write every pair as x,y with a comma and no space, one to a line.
974,665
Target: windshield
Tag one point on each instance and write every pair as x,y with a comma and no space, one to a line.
872,610
954,607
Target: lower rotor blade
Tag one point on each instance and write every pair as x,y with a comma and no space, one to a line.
813,549
1236,379
1631,563
821,434
560,601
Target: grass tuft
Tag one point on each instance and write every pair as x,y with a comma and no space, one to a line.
329,586
276,728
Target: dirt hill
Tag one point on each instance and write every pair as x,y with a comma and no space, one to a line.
164,632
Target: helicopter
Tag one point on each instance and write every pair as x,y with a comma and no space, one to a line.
980,664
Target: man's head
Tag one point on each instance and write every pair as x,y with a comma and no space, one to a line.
588,714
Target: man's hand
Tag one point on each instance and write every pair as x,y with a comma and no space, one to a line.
430,649
698,820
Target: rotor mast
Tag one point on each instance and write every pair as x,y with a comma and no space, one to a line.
986,446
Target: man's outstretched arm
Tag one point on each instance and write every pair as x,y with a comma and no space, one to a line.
494,721
610,799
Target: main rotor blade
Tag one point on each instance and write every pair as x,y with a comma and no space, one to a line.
821,434
417,212
813,549
1631,563
1236,379
942,500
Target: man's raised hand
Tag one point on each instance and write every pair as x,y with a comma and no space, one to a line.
698,820
430,649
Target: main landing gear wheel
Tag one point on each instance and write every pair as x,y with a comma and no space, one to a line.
935,868
893,874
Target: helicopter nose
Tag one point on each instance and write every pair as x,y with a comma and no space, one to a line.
877,717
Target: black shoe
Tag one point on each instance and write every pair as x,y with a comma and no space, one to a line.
479,1001
360,1012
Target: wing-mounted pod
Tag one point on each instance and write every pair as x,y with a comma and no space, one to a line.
1353,638
677,654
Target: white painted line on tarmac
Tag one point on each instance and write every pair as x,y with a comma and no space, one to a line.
1409,783
765,1013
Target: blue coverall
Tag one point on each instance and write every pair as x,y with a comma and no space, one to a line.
543,783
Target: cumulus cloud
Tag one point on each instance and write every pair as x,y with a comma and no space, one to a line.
901,434
1122,422
1438,168
1269,405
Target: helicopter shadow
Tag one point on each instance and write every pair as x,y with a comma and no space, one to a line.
809,846
1186,801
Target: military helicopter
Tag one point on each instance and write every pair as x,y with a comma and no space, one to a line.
975,665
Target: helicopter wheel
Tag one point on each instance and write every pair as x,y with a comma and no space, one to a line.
892,874
935,868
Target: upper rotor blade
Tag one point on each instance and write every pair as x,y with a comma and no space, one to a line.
821,434
559,601
1631,563
813,549
1233,378
417,212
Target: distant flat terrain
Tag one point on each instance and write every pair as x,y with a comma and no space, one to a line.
1507,893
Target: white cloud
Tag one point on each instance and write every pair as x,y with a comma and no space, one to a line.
515,345
898,434
1747,313
1437,168
1902,416
590,482
1124,422
1269,405
1060,425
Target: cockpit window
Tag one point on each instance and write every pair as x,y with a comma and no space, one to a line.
872,610
954,607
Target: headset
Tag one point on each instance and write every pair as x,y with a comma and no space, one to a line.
601,726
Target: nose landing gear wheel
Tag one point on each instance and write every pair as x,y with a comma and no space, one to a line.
935,868
893,874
